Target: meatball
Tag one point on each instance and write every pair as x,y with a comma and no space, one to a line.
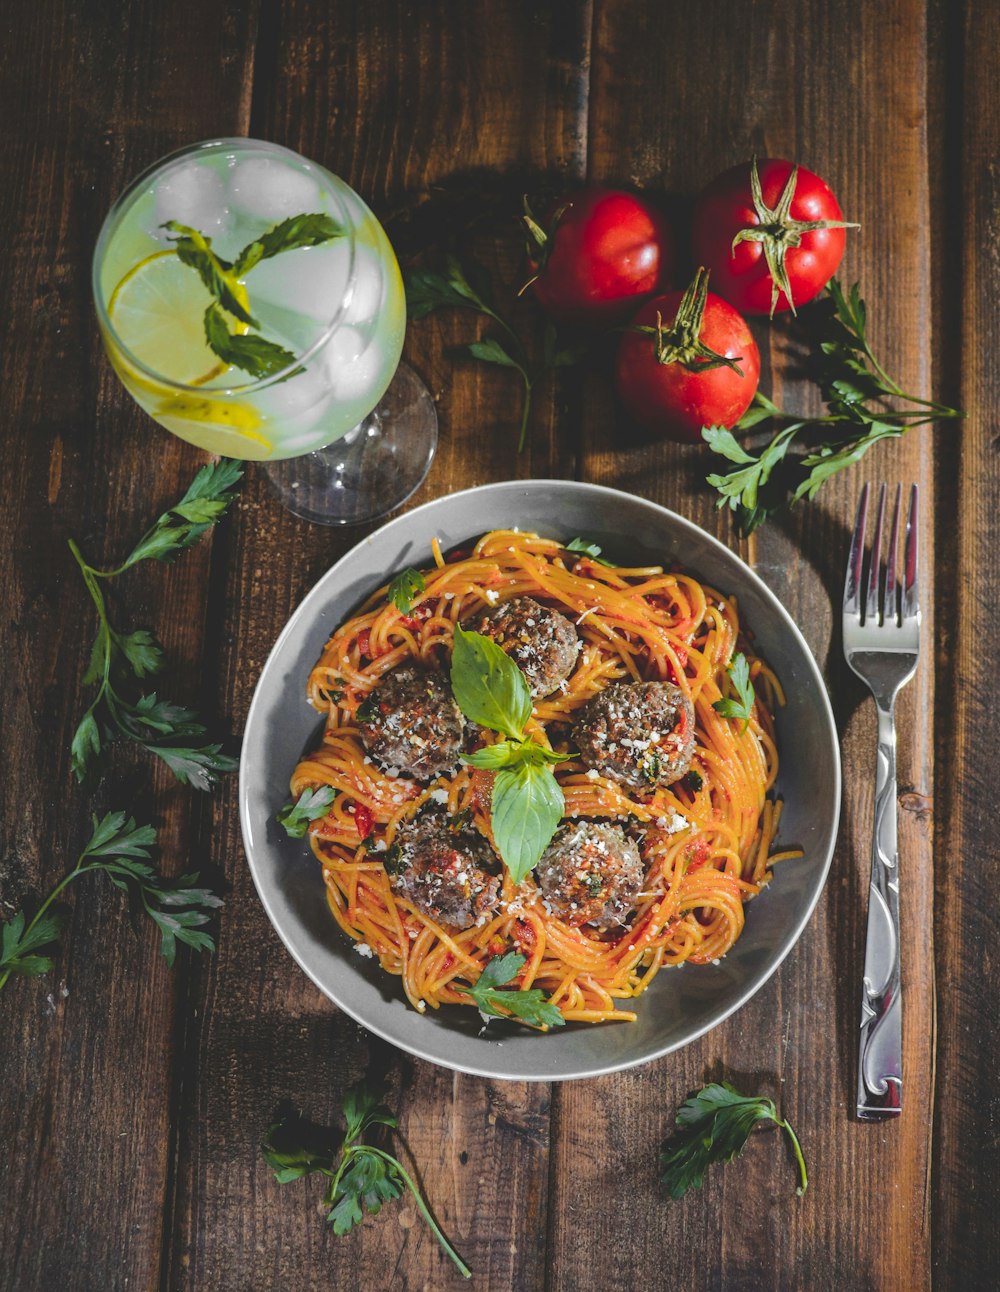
442,870
412,722
541,642
590,874
638,733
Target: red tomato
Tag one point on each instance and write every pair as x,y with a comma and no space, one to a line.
667,380
790,229
605,251
363,820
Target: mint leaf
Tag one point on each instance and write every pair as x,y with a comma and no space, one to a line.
405,588
430,289
489,687
309,806
527,807
252,354
297,231
490,350
195,250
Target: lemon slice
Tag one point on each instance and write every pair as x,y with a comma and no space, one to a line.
216,425
157,311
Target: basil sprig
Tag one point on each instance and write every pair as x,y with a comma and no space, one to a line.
527,803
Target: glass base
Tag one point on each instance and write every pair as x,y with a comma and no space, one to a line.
371,470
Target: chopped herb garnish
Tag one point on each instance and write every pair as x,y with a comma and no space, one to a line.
586,548
529,1007
367,710
692,781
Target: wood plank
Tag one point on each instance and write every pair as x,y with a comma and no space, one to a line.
781,80
396,99
89,96
967,870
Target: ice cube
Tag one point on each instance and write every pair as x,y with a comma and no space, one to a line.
296,404
272,190
192,194
353,377
366,296
309,281
343,348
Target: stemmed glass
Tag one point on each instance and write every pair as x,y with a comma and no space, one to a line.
289,357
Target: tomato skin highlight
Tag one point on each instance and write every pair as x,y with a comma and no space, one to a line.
608,250
672,402
740,274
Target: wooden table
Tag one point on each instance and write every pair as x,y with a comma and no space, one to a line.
132,1106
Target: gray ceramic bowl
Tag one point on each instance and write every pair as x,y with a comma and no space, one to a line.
682,1003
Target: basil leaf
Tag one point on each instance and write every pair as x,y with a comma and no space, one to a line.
489,687
527,807
502,754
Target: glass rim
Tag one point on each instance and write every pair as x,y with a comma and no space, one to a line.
121,204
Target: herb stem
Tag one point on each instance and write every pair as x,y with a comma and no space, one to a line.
797,1147
463,1269
79,869
525,410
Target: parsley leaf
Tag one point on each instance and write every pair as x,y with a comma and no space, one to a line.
713,1126
588,549
168,731
363,1175
309,806
405,588
455,286
121,849
529,1007
742,707
863,406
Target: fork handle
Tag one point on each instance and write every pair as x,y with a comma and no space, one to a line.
880,1060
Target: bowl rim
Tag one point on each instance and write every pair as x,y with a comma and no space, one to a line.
307,607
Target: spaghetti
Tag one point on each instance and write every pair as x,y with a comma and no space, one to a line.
706,841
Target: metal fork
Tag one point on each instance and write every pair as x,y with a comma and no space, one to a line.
881,644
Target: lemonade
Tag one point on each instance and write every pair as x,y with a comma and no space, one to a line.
327,317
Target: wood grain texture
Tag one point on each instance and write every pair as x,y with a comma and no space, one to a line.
797,1038
967,871
89,97
133,1107
397,99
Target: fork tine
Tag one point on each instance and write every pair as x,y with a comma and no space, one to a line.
891,611
911,603
852,583
874,566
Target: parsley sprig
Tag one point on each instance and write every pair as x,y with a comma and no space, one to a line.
467,287
713,1126
857,391
170,731
363,1175
527,803
120,849
405,588
531,1006
741,705
297,815
242,349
